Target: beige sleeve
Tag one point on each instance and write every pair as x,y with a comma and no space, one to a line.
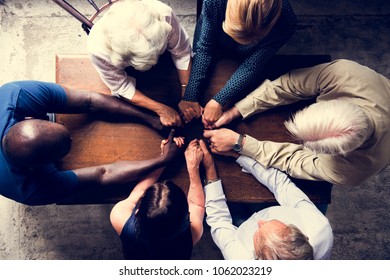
294,86
293,159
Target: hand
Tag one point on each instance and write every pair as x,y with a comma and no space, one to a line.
221,140
193,155
190,110
168,116
208,161
171,147
227,117
212,113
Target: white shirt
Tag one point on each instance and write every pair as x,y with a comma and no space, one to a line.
296,208
116,78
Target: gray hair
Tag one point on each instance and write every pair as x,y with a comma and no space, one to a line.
288,243
136,32
330,127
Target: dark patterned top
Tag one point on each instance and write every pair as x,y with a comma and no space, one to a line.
210,38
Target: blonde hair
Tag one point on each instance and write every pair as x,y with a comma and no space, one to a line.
330,127
288,243
248,21
136,32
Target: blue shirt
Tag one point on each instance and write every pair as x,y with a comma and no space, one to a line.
213,39
40,185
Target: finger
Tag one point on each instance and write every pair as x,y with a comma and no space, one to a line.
170,137
218,123
187,117
208,133
203,146
214,151
208,126
191,113
181,140
201,110
177,141
204,121
194,143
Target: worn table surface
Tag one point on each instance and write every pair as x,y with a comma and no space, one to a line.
97,141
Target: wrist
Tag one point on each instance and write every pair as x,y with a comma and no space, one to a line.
234,113
183,89
193,170
210,181
238,145
211,175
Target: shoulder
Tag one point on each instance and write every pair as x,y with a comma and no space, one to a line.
214,7
120,214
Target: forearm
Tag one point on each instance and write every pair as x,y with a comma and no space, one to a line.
285,191
288,157
287,89
198,75
141,100
218,216
245,77
117,173
195,192
184,77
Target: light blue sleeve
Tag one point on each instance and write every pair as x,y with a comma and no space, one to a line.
284,190
220,221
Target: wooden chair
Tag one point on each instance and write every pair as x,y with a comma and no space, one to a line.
87,23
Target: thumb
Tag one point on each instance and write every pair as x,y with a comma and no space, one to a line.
208,133
170,137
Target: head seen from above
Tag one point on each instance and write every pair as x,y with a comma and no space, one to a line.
275,240
249,21
136,32
163,222
35,142
330,127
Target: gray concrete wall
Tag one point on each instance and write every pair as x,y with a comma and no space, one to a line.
32,32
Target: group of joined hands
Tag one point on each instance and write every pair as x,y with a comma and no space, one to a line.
220,140
212,114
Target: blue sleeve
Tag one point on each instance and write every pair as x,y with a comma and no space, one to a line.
204,48
253,66
36,99
46,185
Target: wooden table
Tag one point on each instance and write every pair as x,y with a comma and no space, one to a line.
98,142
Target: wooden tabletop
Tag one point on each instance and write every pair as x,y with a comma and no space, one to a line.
97,141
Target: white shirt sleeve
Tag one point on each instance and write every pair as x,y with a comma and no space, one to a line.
179,44
284,190
115,78
220,221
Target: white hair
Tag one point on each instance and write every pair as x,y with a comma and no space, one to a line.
330,127
136,32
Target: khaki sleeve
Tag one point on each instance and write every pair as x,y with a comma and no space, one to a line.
293,159
296,85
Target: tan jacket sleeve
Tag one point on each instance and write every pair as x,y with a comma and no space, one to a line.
293,159
294,86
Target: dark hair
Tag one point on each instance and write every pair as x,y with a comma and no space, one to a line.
162,227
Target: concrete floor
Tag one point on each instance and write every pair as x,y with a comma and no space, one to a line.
33,31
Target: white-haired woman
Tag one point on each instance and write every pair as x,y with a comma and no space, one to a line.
134,33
